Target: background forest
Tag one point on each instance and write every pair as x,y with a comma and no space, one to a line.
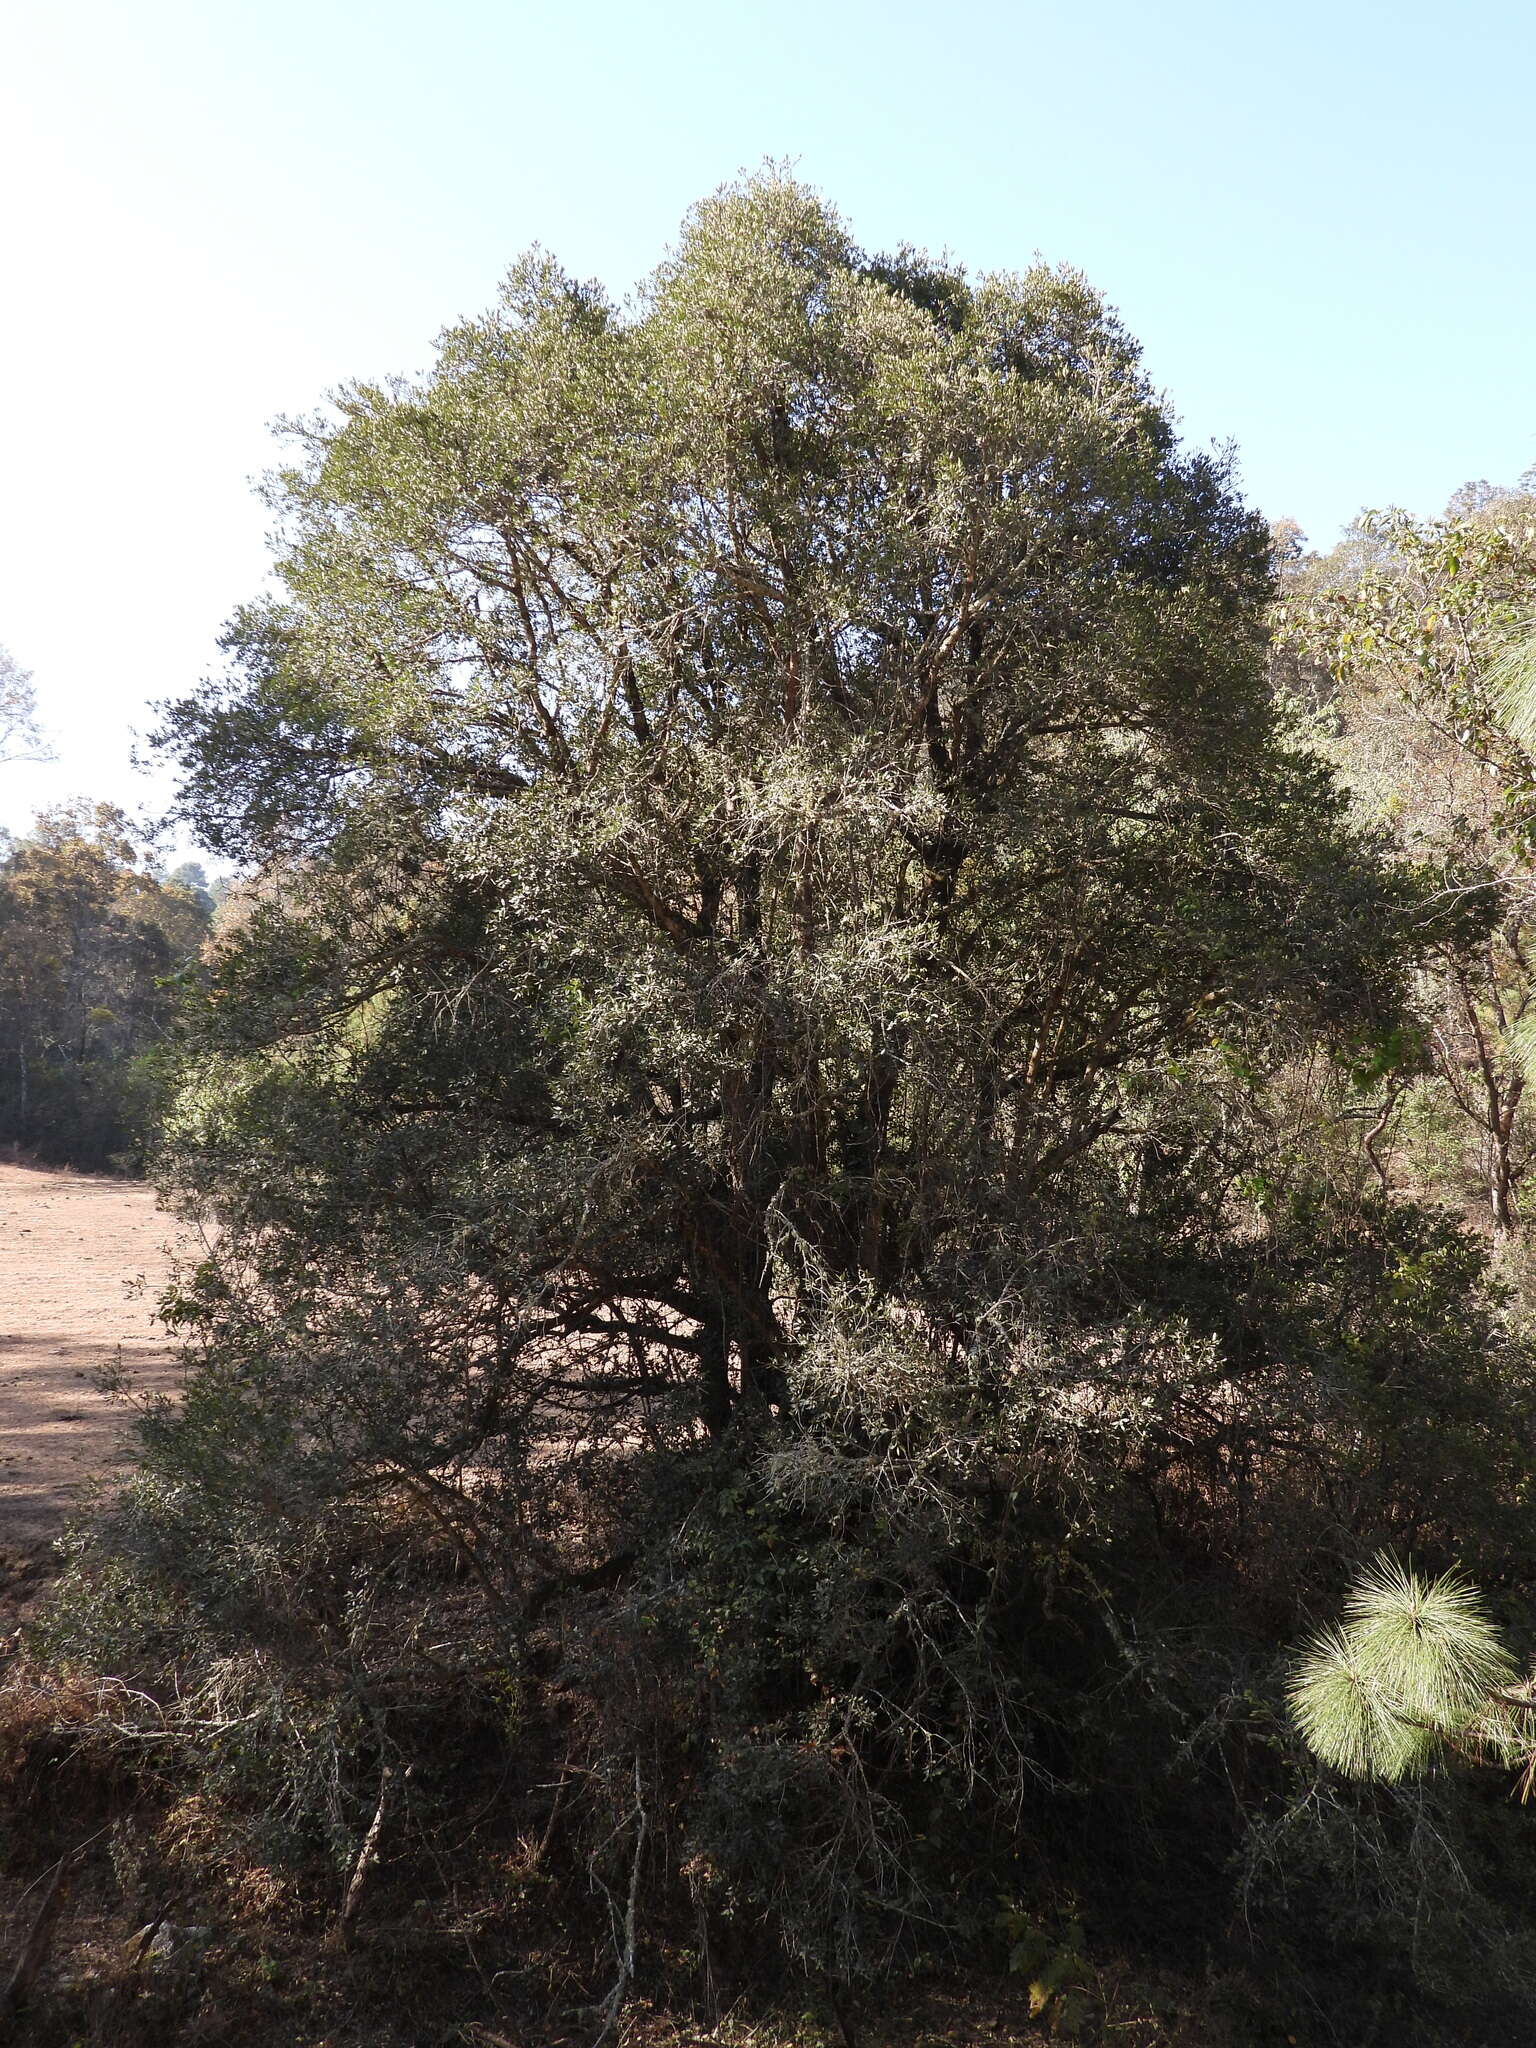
860,1127
92,940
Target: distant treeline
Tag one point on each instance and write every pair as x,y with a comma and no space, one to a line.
92,943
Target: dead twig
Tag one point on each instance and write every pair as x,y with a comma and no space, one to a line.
624,1941
367,1856
34,1950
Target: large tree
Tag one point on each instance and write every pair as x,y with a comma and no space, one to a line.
751,783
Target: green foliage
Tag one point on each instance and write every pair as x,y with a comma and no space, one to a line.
770,766
1410,629
1415,1665
1053,1959
90,944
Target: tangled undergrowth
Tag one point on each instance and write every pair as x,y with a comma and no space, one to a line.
978,1659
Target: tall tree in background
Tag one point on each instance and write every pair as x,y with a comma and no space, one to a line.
88,940
19,736
1413,620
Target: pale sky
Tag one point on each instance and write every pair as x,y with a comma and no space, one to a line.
1319,220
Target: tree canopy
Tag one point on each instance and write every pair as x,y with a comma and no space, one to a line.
762,778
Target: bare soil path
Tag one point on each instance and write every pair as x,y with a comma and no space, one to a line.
82,1260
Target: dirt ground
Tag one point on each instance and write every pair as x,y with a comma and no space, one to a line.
82,1260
